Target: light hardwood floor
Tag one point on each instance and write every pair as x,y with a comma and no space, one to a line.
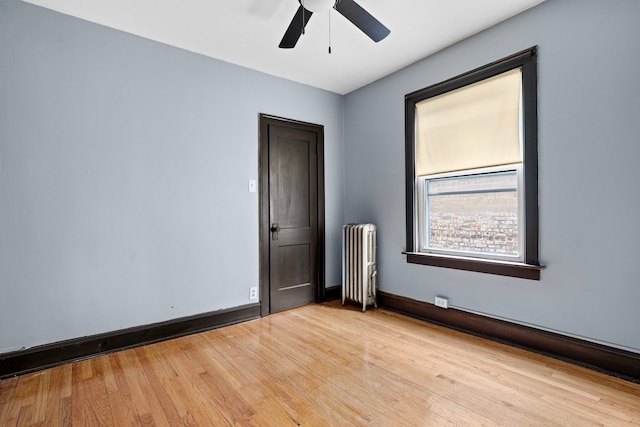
321,365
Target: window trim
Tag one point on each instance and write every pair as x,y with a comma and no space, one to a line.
530,268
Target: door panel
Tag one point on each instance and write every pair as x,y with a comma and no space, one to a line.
292,176
293,215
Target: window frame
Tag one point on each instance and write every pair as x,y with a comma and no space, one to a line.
528,267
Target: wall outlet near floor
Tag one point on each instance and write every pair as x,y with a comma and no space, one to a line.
442,302
253,293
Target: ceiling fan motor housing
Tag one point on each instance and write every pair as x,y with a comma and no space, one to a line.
316,6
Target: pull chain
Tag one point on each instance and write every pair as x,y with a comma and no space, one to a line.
330,31
303,10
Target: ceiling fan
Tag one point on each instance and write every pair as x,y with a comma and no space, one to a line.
347,8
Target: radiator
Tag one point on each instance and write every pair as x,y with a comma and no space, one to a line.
359,274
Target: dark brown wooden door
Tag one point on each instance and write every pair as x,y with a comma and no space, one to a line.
293,217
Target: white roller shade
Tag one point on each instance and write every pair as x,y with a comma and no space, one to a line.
471,127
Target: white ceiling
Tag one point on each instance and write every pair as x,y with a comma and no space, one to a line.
247,32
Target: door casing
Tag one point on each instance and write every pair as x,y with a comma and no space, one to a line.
264,225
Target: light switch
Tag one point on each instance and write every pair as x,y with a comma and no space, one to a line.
252,186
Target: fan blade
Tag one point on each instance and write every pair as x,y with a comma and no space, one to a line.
294,31
362,19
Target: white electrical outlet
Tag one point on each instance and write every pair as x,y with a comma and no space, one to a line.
253,293
442,302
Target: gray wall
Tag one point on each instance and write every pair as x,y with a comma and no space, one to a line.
123,177
589,109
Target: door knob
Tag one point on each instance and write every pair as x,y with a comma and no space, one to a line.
274,231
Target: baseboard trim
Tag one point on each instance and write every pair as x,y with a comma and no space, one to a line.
333,293
49,355
610,360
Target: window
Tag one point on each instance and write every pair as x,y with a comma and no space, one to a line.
471,170
473,215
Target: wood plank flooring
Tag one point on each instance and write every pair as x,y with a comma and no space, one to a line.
321,365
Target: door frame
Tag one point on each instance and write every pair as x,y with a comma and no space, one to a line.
265,122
